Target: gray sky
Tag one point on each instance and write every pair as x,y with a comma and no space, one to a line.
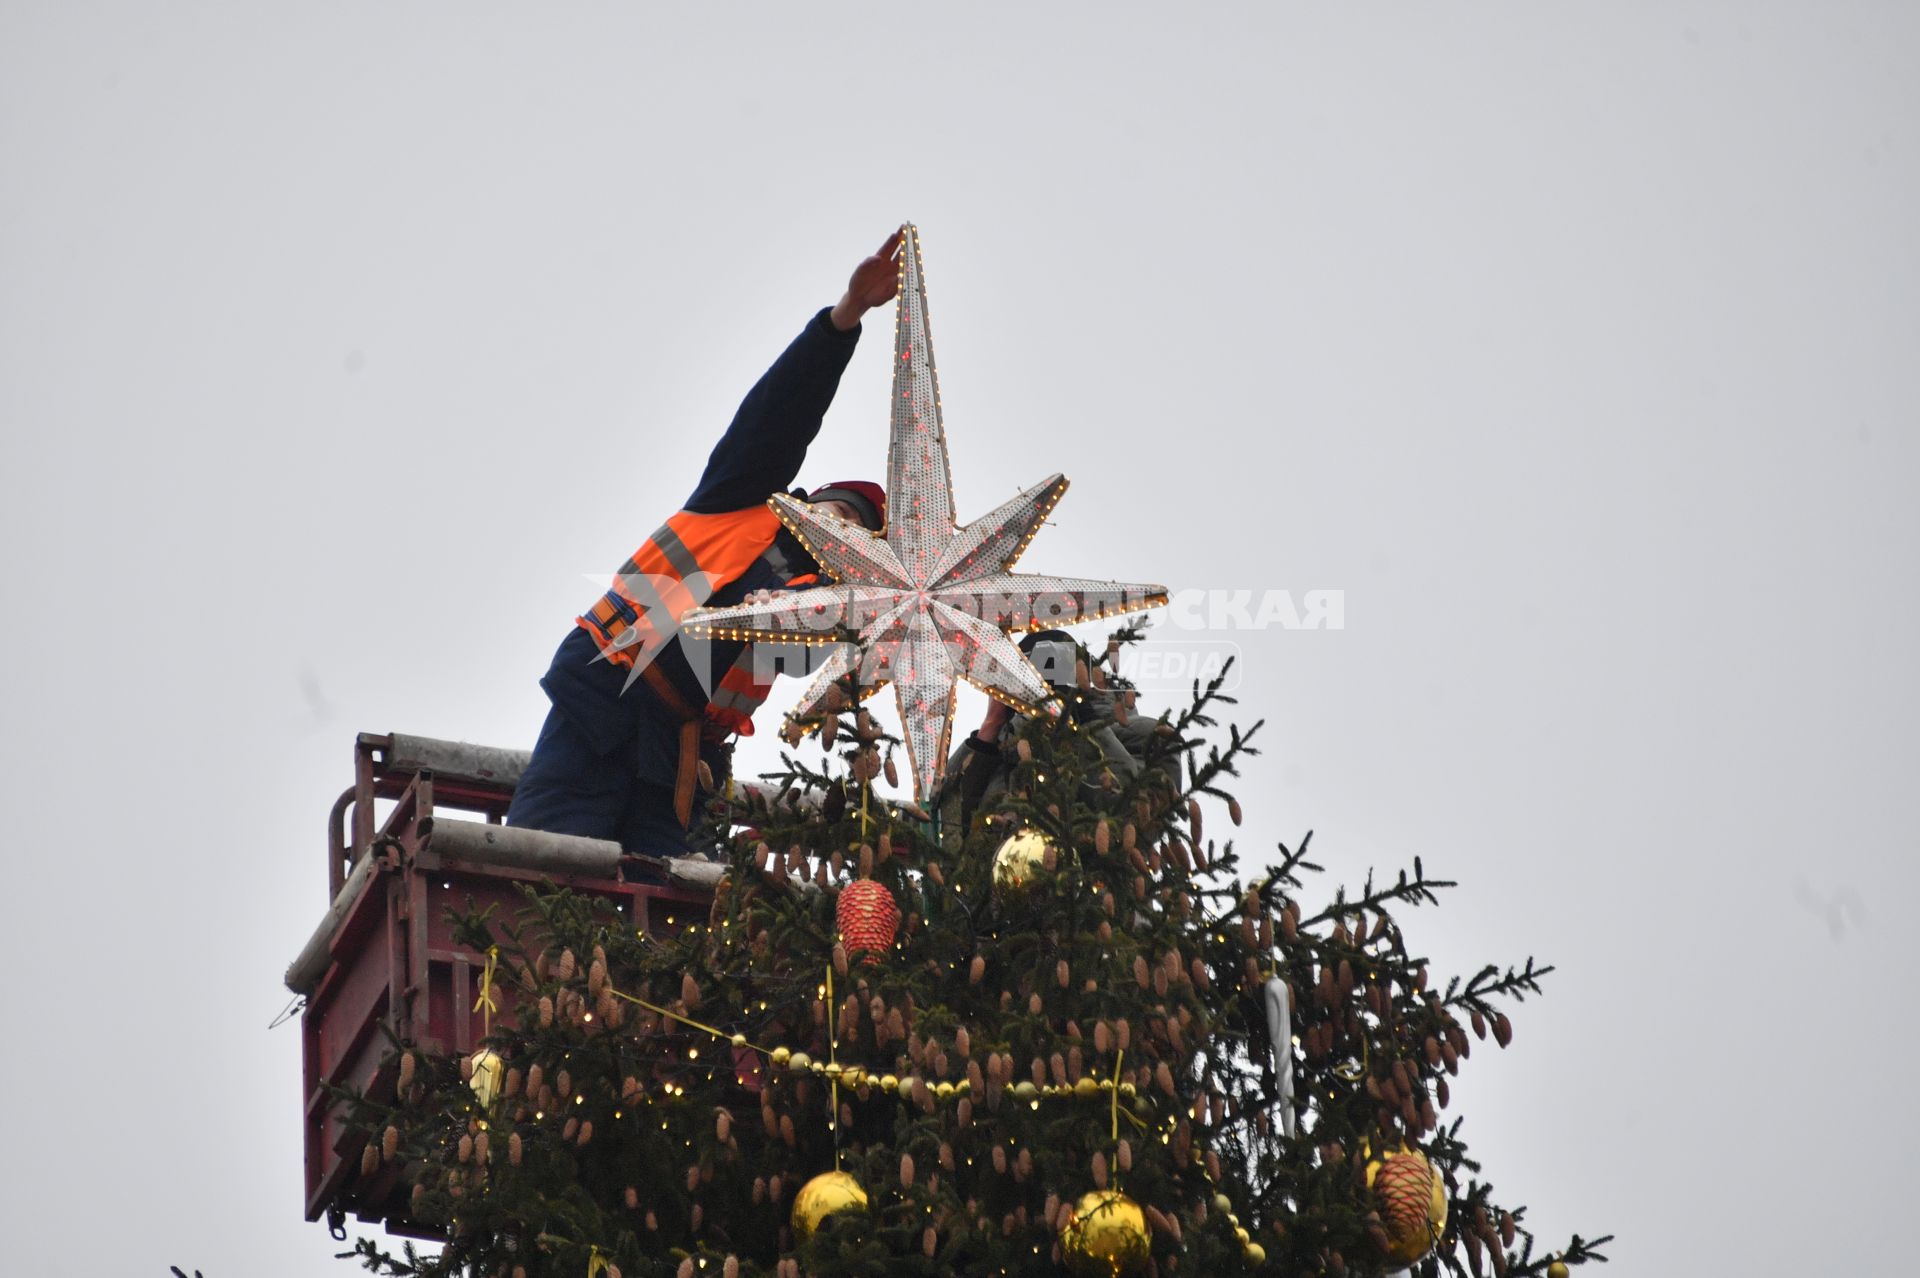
340,345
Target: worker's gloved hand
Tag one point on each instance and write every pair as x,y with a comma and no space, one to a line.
874,283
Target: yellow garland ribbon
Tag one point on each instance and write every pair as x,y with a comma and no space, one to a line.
1353,1073
597,1264
688,1021
833,1080
832,1057
832,1050
833,1075
485,1004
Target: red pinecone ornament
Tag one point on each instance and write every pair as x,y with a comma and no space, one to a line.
868,918
1413,1201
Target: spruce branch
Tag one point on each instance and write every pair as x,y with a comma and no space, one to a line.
1490,983
1284,874
1414,890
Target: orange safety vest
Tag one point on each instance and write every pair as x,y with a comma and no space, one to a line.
680,567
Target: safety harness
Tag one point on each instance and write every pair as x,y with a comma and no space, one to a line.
674,571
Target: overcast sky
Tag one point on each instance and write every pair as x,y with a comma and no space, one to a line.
345,349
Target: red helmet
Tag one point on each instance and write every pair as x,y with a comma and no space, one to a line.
866,497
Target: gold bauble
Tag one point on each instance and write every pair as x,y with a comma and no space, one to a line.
1087,1088
1413,1202
1256,1255
1020,863
487,1070
780,1056
800,1062
821,1197
1557,1269
1105,1236
943,1090
889,1083
1024,1090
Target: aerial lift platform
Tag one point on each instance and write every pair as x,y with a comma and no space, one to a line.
420,832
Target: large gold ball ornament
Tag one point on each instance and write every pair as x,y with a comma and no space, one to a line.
1557,1269
1020,863
1413,1202
822,1196
487,1071
1105,1236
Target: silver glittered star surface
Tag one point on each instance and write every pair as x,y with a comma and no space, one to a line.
927,603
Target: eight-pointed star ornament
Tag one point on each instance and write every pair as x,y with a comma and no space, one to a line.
926,603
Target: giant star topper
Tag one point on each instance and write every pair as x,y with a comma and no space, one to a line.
925,603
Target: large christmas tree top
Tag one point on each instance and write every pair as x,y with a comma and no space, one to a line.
1054,1029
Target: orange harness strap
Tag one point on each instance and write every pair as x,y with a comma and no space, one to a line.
687,775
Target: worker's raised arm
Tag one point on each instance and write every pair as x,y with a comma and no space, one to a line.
874,283
762,450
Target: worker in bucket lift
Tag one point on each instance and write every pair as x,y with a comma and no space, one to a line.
982,766
637,707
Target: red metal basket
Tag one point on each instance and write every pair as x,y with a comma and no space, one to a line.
383,962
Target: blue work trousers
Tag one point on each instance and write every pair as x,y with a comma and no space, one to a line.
571,788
